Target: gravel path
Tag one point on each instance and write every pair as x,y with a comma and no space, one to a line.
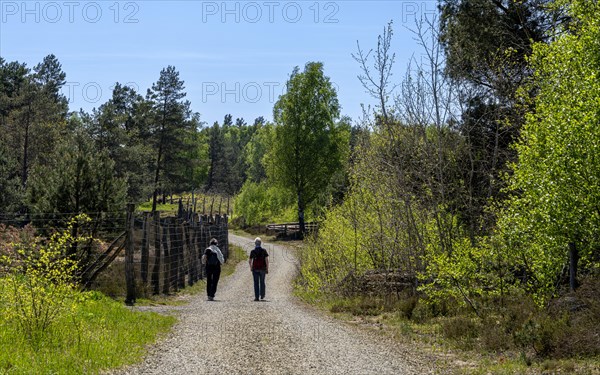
235,335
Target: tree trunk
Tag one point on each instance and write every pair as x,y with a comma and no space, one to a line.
573,260
24,171
159,158
301,207
145,248
156,178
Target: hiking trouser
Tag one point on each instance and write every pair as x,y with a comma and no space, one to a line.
259,283
212,279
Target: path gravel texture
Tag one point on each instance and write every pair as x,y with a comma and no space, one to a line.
281,335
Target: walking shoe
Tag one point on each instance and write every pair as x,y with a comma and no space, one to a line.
256,299
262,297
211,298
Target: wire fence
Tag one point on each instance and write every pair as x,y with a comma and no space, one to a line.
148,252
167,251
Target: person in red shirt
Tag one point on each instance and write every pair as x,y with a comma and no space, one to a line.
259,265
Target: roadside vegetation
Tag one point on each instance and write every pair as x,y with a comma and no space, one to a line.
471,217
49,325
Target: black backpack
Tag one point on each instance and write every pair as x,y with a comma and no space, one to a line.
211,258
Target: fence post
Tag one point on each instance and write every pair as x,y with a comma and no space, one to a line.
191,253
198,247
129,248
180,255
180,209
225,224
573,260
167,258
156,267
173,257
145,248
204,239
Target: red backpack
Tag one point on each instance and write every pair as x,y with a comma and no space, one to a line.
259,262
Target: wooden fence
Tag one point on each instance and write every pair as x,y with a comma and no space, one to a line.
291,228
162,254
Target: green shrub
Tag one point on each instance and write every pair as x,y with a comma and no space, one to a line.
40,283
406,306
462,329
360,306
494,336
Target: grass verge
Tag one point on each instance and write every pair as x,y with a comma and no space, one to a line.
99,334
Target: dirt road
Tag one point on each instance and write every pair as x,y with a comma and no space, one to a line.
235,335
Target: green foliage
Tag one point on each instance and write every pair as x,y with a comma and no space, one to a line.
228,162
261,203
97,335
48,326
40,283
255,151
172,121
197,156
120,127
10,192
78,178
555,183
339,251
478,36
309,144
486,46
458,275
33,114
388,223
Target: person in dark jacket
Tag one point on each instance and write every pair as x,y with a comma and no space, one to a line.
259,265
212,259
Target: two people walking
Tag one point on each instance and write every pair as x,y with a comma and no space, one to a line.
258,261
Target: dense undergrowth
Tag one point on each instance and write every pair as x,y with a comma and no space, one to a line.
487,271
512,337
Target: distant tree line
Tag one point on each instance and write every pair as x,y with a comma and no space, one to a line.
131,148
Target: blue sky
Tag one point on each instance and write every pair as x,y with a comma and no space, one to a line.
234,56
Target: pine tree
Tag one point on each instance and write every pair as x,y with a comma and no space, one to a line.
172,123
